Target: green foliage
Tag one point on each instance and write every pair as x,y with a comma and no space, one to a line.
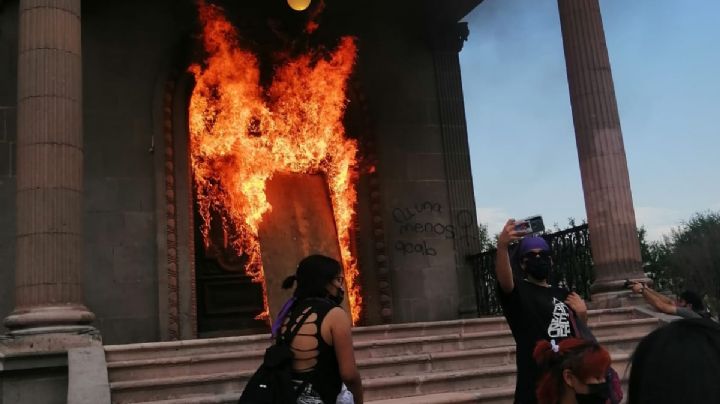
688,258
654,260
694,259
486,242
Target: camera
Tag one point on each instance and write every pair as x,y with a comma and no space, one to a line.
530,225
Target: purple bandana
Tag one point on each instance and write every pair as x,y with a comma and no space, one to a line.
281,316
533,243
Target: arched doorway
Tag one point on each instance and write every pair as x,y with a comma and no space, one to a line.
203,287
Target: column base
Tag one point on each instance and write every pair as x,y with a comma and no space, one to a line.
613,300
612,293
49,319
49,329
616,285
48,339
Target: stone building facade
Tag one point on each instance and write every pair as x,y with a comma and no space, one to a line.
98,233
405,108
104,189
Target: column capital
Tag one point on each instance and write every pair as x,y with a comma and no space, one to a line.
448,37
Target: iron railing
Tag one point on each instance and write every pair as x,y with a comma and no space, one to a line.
572,267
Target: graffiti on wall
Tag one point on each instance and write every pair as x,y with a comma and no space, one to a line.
427,219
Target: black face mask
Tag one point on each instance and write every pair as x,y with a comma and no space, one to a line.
338,299
538,267
598,393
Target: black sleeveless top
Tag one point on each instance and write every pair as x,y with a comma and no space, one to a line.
325,375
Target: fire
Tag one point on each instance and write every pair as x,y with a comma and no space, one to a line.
241,134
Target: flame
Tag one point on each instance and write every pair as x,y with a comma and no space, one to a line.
241,134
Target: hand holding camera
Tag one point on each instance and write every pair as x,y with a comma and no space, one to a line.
530,225
517,229
636,287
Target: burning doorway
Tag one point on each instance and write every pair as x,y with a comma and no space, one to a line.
407,91
243,131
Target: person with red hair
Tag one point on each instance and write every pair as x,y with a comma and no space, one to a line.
573,371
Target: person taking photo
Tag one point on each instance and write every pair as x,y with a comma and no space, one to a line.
533,308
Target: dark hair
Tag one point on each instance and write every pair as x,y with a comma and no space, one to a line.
584,358
677,363
312,276
694,299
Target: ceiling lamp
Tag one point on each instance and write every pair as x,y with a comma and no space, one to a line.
299,5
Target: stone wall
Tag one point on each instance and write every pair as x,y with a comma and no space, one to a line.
397,70
127,49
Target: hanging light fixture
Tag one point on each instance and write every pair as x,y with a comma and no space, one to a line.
299,5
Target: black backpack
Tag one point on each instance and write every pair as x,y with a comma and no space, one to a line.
272,382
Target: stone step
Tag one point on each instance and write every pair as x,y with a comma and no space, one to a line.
499,395
496,395
152,390
173,390
495,323
210,371
360,334
440,382
454,381
445,343
619,346
168,349
251,345
229,398
633,325
369,367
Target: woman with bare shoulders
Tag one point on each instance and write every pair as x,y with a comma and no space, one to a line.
323,356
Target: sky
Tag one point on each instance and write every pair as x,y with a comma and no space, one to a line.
665,58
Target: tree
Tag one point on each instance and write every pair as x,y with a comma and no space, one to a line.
691,256
654,255
486,242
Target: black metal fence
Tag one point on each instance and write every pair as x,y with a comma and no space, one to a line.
572,267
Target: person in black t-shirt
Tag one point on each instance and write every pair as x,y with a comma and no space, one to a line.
534,310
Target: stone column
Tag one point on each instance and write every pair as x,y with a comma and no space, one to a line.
447,43
603,165
49,268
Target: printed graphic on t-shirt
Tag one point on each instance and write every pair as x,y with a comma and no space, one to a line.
560,324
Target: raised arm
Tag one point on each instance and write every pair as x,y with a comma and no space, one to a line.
655,299
659,296
503,270
340,328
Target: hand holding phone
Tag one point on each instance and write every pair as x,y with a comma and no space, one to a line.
530,225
